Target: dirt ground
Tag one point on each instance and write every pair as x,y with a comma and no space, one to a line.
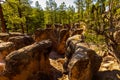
109,69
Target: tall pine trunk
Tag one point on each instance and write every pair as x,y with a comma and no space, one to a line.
20,15
3,23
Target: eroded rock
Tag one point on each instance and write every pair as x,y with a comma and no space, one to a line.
28,62
43,34
63,36
4,36
117,36
80,60
21,41
5,49
1,41
77,31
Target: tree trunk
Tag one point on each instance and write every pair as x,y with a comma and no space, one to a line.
3,25
20,15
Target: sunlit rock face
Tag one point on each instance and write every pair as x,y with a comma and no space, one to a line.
28,63
81,62
21,41
5,49
4,36
1,41
12,34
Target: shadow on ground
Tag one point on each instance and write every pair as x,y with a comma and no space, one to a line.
57,74
107,75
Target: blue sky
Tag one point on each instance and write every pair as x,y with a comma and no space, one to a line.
43,2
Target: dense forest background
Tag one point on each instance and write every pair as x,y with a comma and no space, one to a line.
100,17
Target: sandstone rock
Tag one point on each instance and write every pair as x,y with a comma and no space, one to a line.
2,66
43,34
80,60
57,29
117,36
28,62
4,36
21,41
63,36
67,26
77,31
15,34
1,41
49,26
58,26
5,49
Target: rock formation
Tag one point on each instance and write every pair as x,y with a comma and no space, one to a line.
4,36
28,63
63,36
81,62
5,49
21,41
43,34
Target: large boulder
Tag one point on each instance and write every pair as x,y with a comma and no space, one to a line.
28,63
21,41
4,36
81,62
5,49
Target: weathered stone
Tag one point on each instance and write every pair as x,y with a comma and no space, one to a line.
43,34
15,34
58,26
4,36
1,41
57,29
77,31
63,36
21,41
28,62
117,36
5,49
49,26
67,26
80,60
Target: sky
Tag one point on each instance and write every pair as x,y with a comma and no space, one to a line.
43,2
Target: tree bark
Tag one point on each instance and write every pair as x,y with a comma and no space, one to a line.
3,23
20,15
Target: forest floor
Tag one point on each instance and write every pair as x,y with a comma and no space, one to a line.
109,69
